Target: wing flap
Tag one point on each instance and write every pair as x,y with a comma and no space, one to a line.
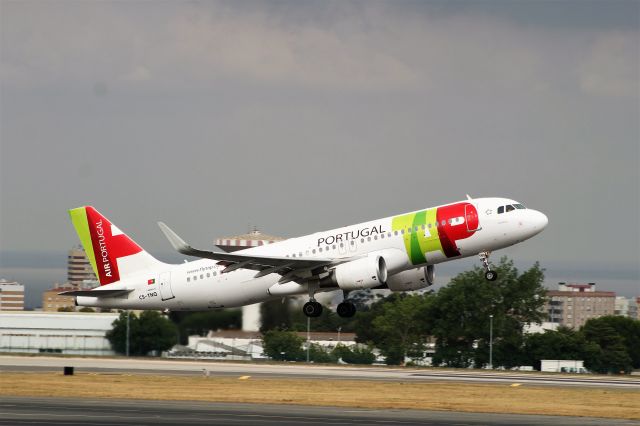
258,263
96,293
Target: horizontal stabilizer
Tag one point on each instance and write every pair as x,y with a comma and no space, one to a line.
96,293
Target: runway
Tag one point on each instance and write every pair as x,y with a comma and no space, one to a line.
297,370
101,412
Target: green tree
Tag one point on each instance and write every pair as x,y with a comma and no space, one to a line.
611,355
354,355
460,315
200,323
564,343
148,332
86,309
283,345
319,354
627,328
275,314
398,330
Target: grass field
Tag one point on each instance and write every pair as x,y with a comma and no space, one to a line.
569,401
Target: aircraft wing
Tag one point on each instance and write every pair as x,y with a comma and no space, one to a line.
264,264
96,293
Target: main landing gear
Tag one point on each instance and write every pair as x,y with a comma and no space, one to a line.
313,309
489,275
346,309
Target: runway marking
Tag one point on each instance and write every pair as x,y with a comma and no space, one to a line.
243,377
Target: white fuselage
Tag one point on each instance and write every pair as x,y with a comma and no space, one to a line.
201,285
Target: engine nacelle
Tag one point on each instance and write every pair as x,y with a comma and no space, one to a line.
413,279
367,272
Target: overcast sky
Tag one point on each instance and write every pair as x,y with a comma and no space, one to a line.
303,116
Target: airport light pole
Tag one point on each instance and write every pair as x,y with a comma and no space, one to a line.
127,345
491,341
308,336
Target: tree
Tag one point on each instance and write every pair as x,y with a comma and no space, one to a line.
354,355
460,314
148,332
626,328
275,314
200,323
398,330
611,354
564,343
283,345
86,309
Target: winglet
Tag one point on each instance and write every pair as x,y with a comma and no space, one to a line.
178,243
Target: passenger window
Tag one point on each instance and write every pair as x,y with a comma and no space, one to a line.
313,251
320,249
208,275
188,279
362,240
402,231
195,278
500,209
381,235
368,238
215,273
352,242
395,232
202,276
444,222
375,237
341,245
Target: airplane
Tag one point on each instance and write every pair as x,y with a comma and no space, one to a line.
398,253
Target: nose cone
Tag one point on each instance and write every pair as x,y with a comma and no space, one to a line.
539,221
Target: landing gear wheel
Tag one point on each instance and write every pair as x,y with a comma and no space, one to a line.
312,309
488,273
346,309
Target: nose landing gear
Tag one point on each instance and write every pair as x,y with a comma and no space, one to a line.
489,275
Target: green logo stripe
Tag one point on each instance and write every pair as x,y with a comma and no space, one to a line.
417,243
81,223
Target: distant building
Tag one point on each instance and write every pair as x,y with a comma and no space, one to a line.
627,307
573,304
71,333
251,320
11,296
79,268
254,238
52,302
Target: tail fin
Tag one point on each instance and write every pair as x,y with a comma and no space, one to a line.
113,255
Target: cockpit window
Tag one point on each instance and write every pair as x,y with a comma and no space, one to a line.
510,208
519,206
500,209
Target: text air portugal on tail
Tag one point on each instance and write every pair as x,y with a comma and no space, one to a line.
113,255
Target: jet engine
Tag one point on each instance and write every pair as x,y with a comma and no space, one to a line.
367,272
413,279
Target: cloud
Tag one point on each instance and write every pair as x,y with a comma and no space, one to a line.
612,67
375,47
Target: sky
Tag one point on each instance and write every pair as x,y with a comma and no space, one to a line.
296,117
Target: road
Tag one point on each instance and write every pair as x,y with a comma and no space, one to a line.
96,412
295,370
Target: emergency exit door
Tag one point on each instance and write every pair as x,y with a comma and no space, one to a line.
165,286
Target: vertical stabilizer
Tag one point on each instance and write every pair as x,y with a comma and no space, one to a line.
113,255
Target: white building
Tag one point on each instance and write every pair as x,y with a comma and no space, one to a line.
60,332
11,296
